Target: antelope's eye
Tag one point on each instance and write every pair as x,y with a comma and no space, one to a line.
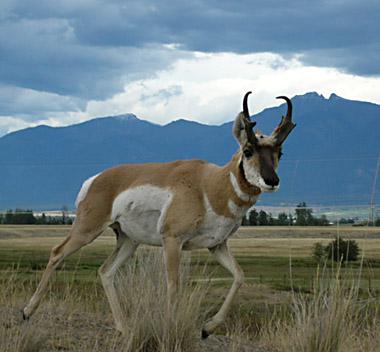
248,153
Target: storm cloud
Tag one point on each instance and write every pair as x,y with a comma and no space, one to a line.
77,51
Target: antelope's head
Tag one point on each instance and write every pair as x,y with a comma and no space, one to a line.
260,154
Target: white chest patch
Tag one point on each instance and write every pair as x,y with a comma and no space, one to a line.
84,189
236,210
141,211
214,230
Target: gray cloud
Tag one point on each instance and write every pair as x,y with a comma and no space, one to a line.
365,62
46,55
320,27
34,105
82,50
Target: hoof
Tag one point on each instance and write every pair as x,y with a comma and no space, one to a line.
24,317
205,334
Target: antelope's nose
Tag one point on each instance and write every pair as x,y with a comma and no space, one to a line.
273,180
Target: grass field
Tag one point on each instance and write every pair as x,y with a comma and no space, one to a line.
264,253
274,259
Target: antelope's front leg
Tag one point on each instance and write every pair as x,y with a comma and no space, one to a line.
224,257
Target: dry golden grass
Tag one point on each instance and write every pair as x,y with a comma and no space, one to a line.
76,317
152,323
244,231
268,241
71,318
334,318
309,231
297,247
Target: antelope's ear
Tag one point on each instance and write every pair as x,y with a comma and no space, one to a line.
239,129
243,126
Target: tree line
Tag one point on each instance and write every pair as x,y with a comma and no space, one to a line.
303,216
27,217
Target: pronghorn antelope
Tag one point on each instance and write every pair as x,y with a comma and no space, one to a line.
181,205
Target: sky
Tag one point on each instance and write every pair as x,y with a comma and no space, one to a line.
66,61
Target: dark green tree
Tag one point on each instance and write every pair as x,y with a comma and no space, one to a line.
20,216
42,220
263,218
304,216
253,218
283,219
291,220
244,221
271,220
322,221
340,249
346,221
24,216
8,219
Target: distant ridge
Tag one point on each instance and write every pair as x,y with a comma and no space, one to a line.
329,159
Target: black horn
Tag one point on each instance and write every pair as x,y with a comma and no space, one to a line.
289,113
286,125
245,105
248,124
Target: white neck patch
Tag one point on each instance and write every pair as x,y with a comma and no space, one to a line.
243,196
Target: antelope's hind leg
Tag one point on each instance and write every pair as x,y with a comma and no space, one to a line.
125,248
80,234
172,255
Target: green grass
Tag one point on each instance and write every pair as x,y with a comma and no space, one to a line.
265,260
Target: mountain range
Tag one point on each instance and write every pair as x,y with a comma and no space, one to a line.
329,159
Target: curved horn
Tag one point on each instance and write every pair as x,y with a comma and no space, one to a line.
248,124
290,106
286,125
245,105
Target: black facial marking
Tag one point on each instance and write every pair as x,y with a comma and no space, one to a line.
267,169
241,168
248,152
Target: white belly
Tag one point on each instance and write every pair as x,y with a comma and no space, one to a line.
141,212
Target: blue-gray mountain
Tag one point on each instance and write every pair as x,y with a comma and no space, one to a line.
329,159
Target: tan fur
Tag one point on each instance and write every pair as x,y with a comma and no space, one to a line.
189,179
199,191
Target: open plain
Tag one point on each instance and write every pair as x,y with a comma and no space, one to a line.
75,316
